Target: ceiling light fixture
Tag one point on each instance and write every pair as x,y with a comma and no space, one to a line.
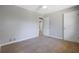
44,7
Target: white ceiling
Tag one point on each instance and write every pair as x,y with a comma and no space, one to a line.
49,9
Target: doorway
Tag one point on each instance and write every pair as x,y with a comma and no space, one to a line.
44,26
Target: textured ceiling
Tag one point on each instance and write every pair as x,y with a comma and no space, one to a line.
49,9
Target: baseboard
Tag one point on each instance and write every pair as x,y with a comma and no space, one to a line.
17,41
55,37
27,39
72,40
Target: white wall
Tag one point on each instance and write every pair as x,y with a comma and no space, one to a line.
56,22
71,26
17,24
55,25
46,26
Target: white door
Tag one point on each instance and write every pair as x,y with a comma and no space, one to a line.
70,26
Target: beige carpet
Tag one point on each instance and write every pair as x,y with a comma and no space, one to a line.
41,45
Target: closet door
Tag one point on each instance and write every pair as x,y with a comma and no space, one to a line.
71,26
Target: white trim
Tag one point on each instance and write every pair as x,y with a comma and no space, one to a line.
27,39
55,36
17,41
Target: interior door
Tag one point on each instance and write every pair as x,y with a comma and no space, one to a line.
70,26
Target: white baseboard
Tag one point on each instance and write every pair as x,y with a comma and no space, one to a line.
17,41
27,39
55,36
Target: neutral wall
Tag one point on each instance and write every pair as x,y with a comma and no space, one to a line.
46,26
55,25
56,22
71,25
17,24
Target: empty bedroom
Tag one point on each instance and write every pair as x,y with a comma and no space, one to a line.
39,28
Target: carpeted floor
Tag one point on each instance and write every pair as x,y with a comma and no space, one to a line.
41,45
